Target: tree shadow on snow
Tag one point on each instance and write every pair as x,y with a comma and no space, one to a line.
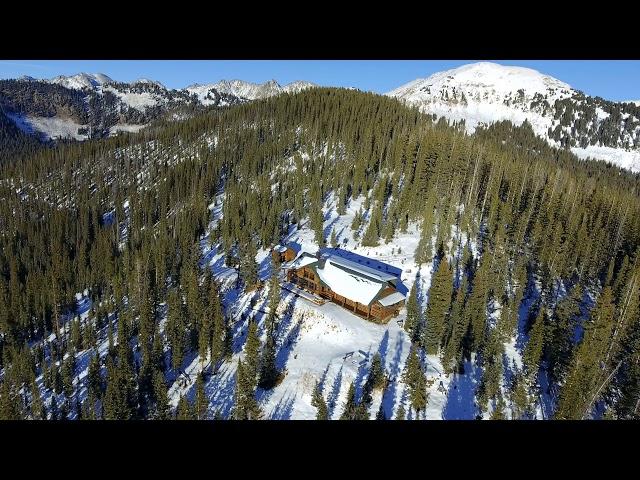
363,369
531,295
323,377
287,346
327,230
389,396
284,408
220,391
264,269
461,403
383,348
332,398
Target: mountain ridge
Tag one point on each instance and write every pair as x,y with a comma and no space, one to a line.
92,105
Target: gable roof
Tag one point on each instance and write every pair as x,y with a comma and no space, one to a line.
302,260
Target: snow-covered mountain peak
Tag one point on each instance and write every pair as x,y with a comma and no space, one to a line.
483,93
82,80
485,78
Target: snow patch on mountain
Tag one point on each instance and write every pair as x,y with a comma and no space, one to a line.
48,127
125,127
628,159
139,101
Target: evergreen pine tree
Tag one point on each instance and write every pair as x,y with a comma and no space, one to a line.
319,402
476,306
412,322
162,410
252,354
533,349
452,355
245,407
202,403
333,239
438,307
268,371
416,382
219,332
8,402
588,368
54,408
185,409
37,406
94,380
350,404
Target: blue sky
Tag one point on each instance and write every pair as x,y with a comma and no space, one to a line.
610,79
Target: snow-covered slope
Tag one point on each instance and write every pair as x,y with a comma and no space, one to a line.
484,92
49,127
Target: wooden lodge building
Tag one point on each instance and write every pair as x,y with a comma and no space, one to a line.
363,290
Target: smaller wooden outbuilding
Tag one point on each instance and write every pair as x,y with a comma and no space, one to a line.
285,253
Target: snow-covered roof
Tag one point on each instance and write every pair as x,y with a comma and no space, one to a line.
353,286
372,273
280,248
391,299
302,260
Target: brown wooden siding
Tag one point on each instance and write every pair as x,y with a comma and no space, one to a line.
289,254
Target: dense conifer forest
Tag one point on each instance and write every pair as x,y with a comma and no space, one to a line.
500,212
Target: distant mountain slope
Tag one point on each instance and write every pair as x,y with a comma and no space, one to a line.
87,105
482,93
